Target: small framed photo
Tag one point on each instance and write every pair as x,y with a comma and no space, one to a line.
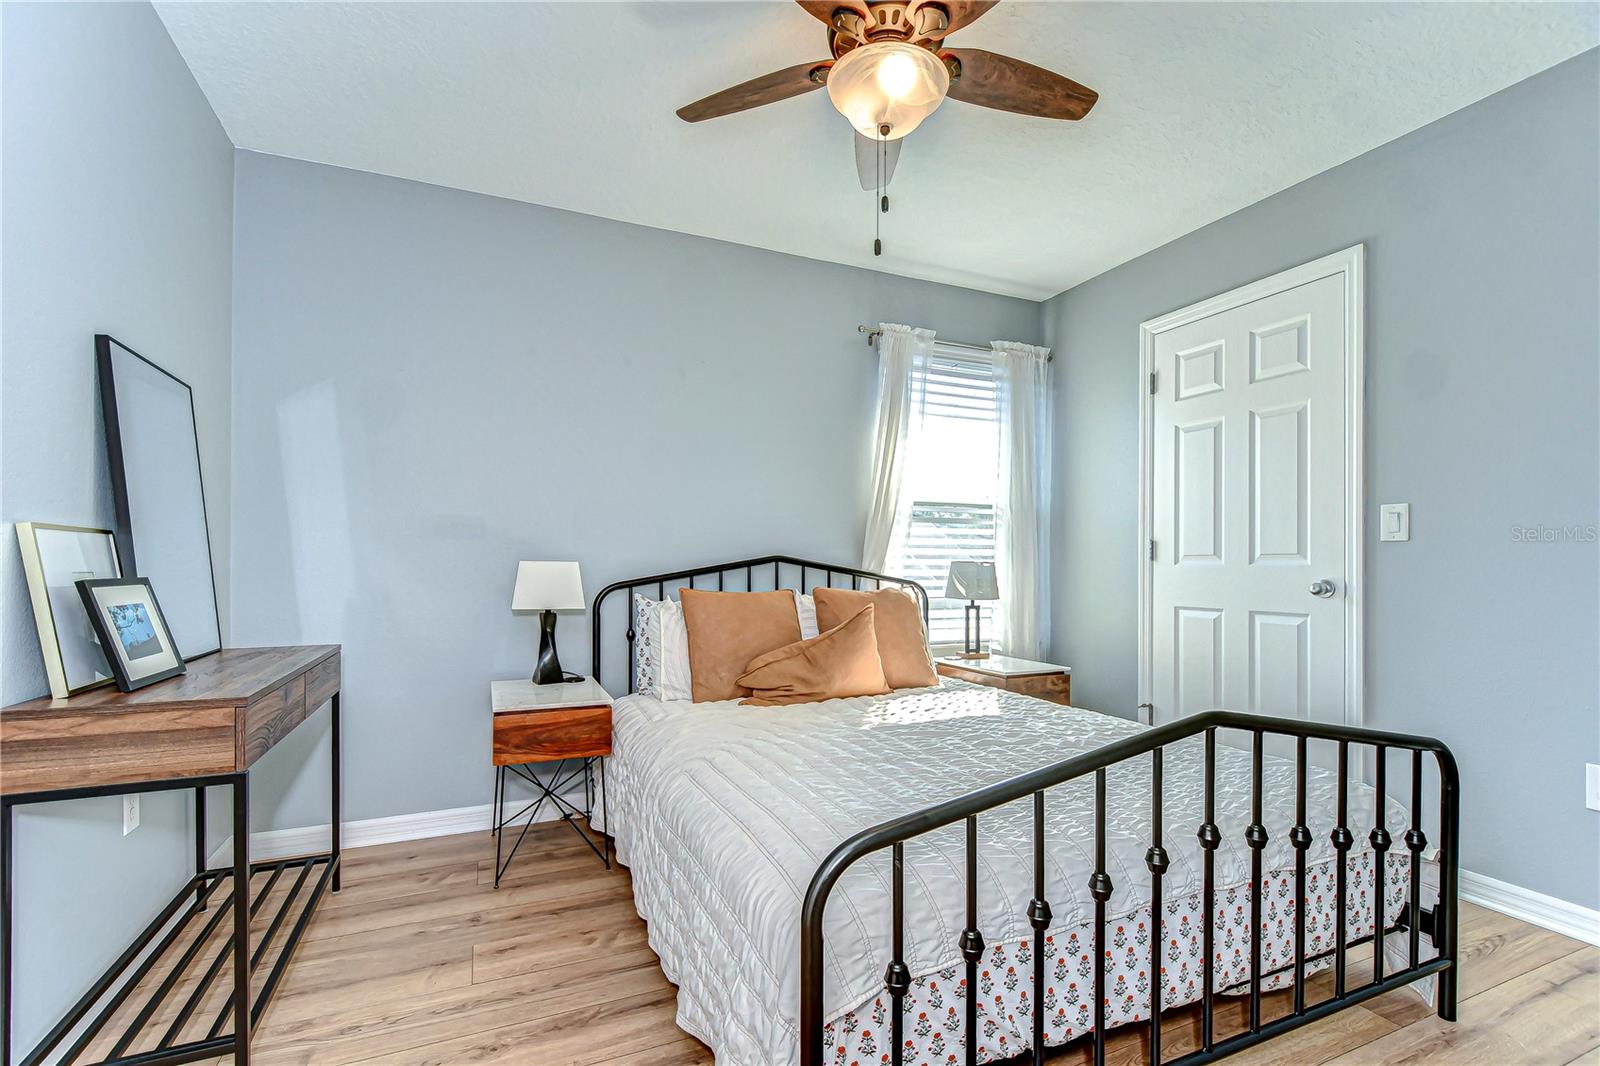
54,559
128,622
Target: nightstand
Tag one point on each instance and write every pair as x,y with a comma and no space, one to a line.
1044,680
567,723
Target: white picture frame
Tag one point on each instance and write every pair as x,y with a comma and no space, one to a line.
54,558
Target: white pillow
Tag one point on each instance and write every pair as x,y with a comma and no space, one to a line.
673,675
806,607
661,650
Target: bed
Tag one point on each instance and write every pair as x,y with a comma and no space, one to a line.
901,878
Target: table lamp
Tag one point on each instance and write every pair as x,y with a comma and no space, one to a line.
548,588
972,581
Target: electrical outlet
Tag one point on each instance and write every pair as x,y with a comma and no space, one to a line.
130,813
1591,782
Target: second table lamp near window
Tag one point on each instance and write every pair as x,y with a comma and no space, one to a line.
548,588
972,581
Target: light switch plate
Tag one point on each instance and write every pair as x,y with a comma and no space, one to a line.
130,813
1394,521
1591,786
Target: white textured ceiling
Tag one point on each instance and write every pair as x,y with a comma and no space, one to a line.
1204,108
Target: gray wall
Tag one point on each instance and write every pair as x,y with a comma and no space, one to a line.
1483,369
117,212
431,384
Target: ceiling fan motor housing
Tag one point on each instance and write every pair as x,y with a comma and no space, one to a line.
916,22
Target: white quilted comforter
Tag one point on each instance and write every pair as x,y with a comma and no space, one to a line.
724,812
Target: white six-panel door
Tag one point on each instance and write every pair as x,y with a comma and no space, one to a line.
1251,468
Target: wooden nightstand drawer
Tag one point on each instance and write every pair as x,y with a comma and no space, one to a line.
1054,687
961,673
1041,680
540,736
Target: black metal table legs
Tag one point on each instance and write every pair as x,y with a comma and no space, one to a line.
241,919
200,843
338,805
5,931
549,790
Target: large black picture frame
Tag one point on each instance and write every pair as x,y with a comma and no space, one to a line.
193,612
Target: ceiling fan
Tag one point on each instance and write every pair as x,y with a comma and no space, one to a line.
891,69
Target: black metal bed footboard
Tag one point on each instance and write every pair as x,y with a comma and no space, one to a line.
893,835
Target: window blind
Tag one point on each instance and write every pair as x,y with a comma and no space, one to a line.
953,478
936,534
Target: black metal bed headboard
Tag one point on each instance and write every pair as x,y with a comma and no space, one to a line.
755,574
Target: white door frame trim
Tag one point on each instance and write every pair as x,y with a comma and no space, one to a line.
1350,263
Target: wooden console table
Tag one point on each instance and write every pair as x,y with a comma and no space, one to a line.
206,727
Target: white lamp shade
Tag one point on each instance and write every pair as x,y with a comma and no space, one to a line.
548,587
888,83
971,580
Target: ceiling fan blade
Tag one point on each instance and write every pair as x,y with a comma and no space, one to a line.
867,160
767,89
1006,84
960,13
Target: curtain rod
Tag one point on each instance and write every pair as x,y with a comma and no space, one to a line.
873,333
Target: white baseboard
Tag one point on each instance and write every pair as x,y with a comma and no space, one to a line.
1535,908
282,843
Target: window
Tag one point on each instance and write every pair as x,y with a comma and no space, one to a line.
952,484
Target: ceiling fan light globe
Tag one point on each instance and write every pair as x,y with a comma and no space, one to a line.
897,76
889,83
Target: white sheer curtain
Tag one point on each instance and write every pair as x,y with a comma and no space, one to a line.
900,350
1022,378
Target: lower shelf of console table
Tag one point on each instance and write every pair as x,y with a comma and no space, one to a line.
173,1002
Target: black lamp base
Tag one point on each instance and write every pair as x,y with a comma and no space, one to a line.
547,668
972,632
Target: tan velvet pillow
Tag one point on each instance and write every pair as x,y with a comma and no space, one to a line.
902,641
840,662
727,630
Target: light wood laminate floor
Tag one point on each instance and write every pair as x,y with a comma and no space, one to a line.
421,960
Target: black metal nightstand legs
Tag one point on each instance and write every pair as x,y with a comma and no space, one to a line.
498,814
499,803
549,790
605,837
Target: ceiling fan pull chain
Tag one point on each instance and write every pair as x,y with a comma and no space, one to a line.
883,197
883,190
877,228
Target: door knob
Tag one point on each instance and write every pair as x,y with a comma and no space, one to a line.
1323,589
